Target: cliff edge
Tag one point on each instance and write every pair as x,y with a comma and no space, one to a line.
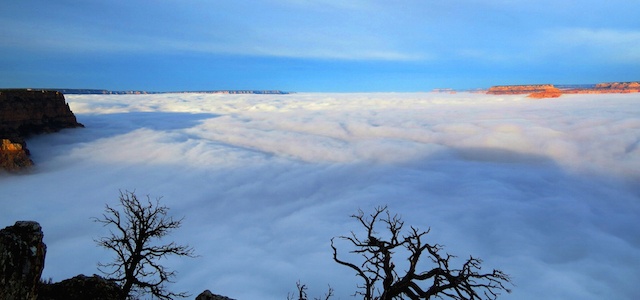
26,112
550,91
520,89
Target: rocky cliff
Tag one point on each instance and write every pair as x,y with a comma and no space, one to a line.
608,88
519,89
14,156
550,91
81,287
22,255
208,295
535,91
26,112
620,85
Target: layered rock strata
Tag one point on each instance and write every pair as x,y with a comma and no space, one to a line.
550,91
608,88
620,85
27,112
14,156
520,89
22,255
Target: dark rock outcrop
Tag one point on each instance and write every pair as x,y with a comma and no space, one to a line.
26,112
81,287
207,295
22,255
13,156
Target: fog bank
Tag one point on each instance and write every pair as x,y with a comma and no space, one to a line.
544,190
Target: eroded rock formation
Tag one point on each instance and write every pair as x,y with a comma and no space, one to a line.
550,93
207,295
608,88
22,255
536,91
620,85
13,156
520,89
26,112
81,287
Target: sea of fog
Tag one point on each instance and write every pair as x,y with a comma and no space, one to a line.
547,191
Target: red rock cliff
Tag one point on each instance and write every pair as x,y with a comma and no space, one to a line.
26,112
519,89
620,85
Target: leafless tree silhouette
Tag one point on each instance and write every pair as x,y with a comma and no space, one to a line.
382,281
136,267
302,293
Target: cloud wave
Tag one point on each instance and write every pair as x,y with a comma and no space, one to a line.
545,190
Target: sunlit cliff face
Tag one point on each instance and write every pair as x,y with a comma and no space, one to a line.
545,190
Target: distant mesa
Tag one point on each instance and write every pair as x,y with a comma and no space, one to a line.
450,91
453,91
107,92
551,91
520,89
540,91
536,91
606,88
619,85
24,112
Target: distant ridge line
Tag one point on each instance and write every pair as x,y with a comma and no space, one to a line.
107,92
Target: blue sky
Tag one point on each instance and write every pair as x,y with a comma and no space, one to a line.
317,45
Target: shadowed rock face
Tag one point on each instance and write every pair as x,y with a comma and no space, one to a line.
207,295
26,112
22,255
81,287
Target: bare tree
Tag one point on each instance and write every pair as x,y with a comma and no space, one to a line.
383,282
136,267
302,293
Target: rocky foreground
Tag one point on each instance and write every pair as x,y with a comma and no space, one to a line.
26,112
22,260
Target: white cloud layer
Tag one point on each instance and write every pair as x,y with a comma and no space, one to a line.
545,190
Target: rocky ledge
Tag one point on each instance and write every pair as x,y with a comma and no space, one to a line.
22,257
26,112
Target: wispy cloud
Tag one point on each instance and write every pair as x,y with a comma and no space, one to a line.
606,45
